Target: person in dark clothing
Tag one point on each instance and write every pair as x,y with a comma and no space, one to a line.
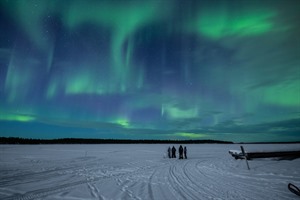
180,152
169,152
173,152
185,151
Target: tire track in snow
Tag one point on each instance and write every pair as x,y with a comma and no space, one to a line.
241,187
171,184
214,183
39,193
197,171
125,187
23,178
189,185
209,186
204,190
178,183
158,172
150,191
157,181
95,191
35,176
51,190
134,181
181,185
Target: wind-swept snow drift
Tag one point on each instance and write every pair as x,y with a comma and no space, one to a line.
142,172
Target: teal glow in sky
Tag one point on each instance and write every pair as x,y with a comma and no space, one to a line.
150,69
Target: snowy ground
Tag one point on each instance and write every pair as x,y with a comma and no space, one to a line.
142,172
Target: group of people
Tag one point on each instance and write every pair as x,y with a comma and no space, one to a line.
182,152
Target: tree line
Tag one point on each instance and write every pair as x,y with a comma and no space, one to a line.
18,140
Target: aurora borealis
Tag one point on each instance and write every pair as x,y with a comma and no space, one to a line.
150,69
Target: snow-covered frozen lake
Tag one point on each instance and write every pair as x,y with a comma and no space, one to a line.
141,171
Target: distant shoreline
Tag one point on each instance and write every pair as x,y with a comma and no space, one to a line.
17,140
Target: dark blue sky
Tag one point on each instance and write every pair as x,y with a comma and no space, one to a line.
155,69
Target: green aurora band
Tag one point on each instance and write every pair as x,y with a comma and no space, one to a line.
151,69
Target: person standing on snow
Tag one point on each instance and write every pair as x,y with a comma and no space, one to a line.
173,152
180,152
169,152
185,151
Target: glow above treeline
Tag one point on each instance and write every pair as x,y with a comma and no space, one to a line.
150,69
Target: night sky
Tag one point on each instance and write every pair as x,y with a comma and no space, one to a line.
150,69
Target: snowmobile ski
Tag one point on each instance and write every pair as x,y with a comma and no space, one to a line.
294,189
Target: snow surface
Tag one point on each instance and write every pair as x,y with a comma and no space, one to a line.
142,171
